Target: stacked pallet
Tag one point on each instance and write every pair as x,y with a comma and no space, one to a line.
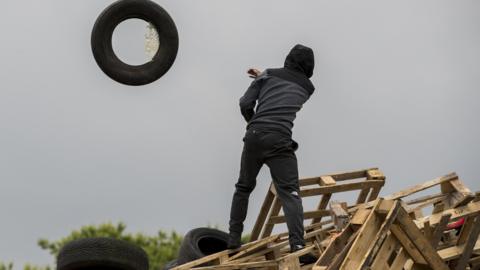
368,233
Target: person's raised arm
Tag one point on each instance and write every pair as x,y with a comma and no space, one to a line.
249,99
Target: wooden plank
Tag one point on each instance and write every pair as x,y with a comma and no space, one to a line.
400,260
454,252
428,231
407,245
426,198
203,260
395,207
465,230
275,209
416,214
272,252
360,216
455,185
477,196
317,225
438,207
218,255
385,206
327,181
469,244
424,204
246,265
412,190
314,234
362,197
336,176
368,235
306,215
262,215
375,174
381,260
336,246
322,205
351,175
455,199
291,260
299,253
289,264
340,216
464,200
340,257
472,208
259,244
475,263
374,194
419,240
341,188
439,229
420,187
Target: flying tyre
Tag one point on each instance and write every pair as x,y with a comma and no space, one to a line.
101,253
201,242
111,65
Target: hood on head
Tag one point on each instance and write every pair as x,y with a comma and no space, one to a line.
301,59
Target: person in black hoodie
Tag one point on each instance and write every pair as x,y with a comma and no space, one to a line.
270,106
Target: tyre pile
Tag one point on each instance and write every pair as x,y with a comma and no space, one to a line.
115,254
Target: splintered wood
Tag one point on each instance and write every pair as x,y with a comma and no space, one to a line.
394,232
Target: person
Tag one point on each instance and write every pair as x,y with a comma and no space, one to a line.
278,94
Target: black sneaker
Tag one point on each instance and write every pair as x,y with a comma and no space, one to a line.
234,241
308,258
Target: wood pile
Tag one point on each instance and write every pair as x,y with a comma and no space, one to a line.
391,232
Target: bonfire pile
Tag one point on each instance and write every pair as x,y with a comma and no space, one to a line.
434,225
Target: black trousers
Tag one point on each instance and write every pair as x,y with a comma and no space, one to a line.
278,152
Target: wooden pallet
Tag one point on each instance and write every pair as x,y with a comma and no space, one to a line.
367,182
387,237
455,201
386,233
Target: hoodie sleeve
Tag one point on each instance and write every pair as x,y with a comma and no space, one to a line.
249,99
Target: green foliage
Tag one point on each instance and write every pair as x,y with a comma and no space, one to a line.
6,266
36,267
245,238
160,248
9,266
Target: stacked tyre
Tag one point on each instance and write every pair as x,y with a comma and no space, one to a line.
201,242
101,253
114,254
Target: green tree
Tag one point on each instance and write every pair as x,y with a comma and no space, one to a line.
9,266
36,267
6,266
160,248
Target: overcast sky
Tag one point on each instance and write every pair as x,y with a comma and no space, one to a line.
397,87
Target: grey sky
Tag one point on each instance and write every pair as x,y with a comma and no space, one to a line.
397,87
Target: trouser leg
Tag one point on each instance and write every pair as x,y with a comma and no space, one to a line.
284,171
251,163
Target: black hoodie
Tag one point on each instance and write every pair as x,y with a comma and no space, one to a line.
280,93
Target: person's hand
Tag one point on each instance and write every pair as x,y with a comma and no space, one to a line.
253,73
